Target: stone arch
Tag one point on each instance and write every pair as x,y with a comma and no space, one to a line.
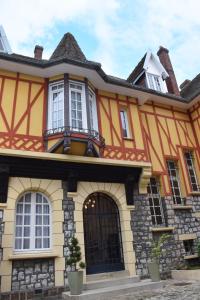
117,192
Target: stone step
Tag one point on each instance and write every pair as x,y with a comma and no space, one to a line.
108,293
108,275
92,285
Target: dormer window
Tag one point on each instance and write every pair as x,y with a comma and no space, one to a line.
154,82
4,44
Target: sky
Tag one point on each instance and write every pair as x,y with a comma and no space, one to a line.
116,33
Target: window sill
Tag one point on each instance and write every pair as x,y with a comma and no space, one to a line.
128,139
32,255
176,207
3,205
191,256
160,229
130,207
195,193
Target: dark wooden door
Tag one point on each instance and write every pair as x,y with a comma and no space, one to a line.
103,243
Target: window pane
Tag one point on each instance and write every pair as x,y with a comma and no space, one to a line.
18,231
46,243
19,220
46,220
38,220
38,209
18,243
26,244
19,208
27,209
27,220
46,231
26,231
38,231
38,243
46,209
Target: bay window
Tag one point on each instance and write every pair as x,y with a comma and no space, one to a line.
93,111
32,224
75,99
77,106
56,105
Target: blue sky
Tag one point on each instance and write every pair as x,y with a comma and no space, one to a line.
115,33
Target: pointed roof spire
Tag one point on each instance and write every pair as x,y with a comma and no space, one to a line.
68,48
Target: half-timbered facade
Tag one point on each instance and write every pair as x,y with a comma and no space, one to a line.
115,162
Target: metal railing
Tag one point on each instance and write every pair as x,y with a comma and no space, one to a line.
69,131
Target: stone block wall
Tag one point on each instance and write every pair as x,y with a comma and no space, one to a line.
68,224
183,221
33,274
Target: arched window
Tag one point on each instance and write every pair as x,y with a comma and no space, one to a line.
33,224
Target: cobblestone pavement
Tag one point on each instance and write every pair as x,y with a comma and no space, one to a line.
172,290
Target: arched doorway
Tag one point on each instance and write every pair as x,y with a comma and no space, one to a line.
102,233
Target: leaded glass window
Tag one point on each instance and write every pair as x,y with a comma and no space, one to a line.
174,181
33,225
155,202
191,171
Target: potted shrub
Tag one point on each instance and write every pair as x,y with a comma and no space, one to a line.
156,252
75,275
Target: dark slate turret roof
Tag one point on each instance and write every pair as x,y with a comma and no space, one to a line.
137,71
68,48
192,89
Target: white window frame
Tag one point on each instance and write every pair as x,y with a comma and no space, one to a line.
94,110
154,196
124,121
193,170
50,106
83,101
152,84
171,178
33,225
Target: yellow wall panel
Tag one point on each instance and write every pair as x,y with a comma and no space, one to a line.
191,139
31,78
115,121
23,126
107,94
34,90
184,182
21,101
7,73
147,108
36,117
182,116
58,77
105,122
181,133
164,112
8,99
136,127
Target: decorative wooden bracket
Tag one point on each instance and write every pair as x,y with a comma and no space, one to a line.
4,178
72,182
129,188
144,179
66,143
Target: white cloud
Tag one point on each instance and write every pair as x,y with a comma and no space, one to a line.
123,29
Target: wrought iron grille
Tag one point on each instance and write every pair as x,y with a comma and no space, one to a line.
69,131
103,243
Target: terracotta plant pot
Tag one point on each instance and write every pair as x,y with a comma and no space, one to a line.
75,280
154,271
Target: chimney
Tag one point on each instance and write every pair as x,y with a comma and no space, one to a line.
38,52
184,84
166,62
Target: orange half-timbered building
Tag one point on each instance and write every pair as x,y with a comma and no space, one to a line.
114,162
